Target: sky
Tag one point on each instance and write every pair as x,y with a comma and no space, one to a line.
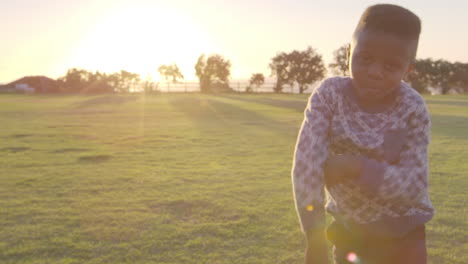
48,37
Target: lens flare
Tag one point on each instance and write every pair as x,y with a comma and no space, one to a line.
352,257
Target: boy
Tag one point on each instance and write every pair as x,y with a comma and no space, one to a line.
365,139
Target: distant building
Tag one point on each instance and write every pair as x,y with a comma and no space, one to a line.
24,87
6,89
31,84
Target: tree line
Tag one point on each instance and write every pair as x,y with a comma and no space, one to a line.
300,68
425,74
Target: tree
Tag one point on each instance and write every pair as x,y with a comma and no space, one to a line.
74,81
170,71
459,79
307,68
280,68
420,75
97,83
439,74
83,81
301,67
339,66
127,81
213,72
114,80
257,80
443,72
149,85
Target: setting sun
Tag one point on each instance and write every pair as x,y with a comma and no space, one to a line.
139,37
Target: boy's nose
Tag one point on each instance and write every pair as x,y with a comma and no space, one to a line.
375,71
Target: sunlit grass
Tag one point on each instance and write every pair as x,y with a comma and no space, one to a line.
181,178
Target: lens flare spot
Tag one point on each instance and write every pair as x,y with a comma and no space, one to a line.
352,257
310,208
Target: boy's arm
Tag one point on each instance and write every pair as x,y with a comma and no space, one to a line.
310,154
340,167
308,176
405,181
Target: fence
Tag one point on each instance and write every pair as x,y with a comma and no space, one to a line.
237,86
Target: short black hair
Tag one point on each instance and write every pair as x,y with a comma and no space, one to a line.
390,19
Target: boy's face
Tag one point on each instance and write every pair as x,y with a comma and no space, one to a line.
378,62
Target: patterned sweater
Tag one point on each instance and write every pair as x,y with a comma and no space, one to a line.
391,196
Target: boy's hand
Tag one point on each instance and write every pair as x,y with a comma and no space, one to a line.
342,166
394,141
316,251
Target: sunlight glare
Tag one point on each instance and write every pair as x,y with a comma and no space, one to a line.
139,38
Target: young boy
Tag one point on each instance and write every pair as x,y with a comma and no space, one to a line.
365,138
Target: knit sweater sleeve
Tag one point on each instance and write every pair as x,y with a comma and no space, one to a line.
310,155
405,181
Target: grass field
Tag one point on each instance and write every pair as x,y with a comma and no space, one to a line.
182,178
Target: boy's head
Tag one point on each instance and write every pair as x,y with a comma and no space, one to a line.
383,49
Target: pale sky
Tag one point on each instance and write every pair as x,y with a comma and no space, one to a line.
47,37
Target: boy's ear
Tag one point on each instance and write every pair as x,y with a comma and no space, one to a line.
410,68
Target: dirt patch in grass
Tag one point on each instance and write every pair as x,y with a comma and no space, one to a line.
66,126
21,135
125,140
259,123
94,158
68,150
15,149
85,137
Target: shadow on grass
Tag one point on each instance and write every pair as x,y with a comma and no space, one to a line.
21,135
447,102
14,149
46,165
296,105
70,150
207,108
450,126
106,100
94,158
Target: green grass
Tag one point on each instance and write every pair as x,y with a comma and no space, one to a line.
181,178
